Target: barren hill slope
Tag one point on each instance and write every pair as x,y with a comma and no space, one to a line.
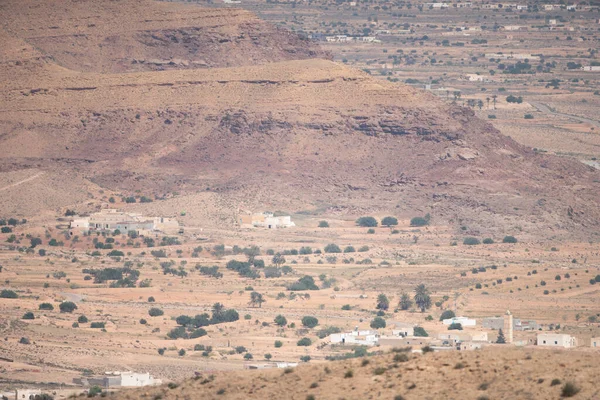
492,373
280,130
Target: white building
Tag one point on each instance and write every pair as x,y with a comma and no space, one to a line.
111,219
556,340
403,329
266,220
464,321
591,68
364,338
595,342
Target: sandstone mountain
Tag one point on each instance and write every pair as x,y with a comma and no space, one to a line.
164,97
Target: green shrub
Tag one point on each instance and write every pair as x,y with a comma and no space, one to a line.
278,344
46,306
98,325
509,239
570,390
304,342
155,312
67,307
471,241
310,322
28,315
332,248
378,323
8,294
389,221
420,332
280,320
447,315
367,222
419,221
323,224
82,319
488,241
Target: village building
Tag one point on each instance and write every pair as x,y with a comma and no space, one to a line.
497,323
464,321
556,340
111,220
468,345
402,329
120,379
595,342
356,337
266,220
452,338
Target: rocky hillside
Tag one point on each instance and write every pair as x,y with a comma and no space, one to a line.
498,373
125,36
263,120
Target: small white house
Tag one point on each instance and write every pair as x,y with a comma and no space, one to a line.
403,329
556,340
464,321
596,342
364,338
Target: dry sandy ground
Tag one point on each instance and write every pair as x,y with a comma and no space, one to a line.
497,373
60,352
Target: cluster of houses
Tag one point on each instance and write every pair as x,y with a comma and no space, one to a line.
110,380
111,220
346,38
403,334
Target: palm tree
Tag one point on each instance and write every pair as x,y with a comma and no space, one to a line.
256,298
495,97
422,298
218,310
488,102
405,301
382,302
278,260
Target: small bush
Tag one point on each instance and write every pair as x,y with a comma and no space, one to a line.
367,222
310,322
304,342
349,374
488,241
323,224
379,371
471,241
67,307
46,306
570,390
419,221
555,382
28,315
98,325
8,294
509,239
332,248
278,344
82,319
155,312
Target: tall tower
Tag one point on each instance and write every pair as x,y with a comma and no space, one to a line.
508,327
